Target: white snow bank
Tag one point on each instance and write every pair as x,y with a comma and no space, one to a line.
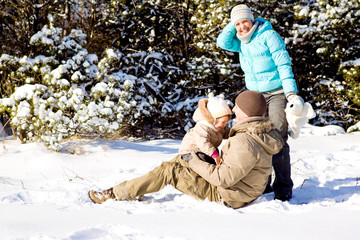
43,194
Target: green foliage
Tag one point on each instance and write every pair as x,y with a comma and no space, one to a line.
156,59
56,99
326,35
331,26
209,67
350,71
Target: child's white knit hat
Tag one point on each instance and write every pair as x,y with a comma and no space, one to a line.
217,106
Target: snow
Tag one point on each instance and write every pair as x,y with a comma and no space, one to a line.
92,58
355,127
43,194
27,91
128,83
100,87
111,54
155,55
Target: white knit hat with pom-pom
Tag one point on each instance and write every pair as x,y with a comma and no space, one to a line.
217,106
239,12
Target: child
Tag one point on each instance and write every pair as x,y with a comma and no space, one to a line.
211,118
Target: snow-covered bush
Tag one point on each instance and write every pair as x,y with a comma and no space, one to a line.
209,67
326,39
68,91
350,71
152,99
160,58
333,104
331,26
47,106
354,128
63,95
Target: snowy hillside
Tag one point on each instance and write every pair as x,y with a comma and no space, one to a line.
43,194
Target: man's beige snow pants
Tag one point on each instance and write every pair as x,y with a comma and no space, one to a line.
175,172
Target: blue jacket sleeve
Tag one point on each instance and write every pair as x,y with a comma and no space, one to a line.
282,61
227,39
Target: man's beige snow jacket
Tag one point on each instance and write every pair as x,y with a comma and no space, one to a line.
247,156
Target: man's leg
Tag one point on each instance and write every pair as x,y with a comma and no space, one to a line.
175,173
283,184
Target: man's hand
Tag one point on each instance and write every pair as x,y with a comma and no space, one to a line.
187,157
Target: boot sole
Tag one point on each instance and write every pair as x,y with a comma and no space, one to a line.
92,197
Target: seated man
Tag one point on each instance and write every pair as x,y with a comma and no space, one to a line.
240,179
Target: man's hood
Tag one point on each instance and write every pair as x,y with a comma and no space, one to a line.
261,131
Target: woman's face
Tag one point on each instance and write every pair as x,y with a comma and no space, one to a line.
243,26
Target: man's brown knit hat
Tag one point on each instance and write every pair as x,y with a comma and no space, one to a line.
252,103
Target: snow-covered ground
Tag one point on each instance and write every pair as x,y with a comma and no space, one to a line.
43,194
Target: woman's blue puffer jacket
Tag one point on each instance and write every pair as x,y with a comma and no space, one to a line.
264,60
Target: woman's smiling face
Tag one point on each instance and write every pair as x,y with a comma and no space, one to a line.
243,26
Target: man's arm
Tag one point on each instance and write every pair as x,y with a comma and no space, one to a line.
237,164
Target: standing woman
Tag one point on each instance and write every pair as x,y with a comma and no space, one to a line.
267,68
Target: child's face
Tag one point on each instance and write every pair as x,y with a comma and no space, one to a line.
221,122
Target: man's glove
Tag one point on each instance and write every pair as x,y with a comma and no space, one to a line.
186,157
202,156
